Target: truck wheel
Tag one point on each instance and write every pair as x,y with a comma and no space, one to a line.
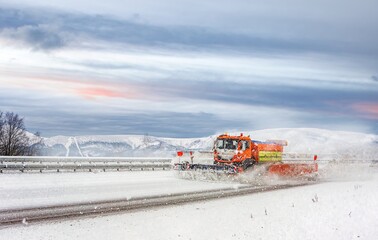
248,163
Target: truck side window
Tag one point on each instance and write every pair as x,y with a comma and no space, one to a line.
245,145
220,144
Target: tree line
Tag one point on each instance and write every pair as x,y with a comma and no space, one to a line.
14,138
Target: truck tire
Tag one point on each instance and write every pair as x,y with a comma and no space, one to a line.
248,163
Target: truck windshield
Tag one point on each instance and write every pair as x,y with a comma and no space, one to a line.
226,144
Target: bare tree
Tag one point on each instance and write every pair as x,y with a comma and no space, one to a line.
14,140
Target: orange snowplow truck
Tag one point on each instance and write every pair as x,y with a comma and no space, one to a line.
235,154
244,152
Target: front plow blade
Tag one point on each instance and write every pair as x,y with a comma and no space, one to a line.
293,169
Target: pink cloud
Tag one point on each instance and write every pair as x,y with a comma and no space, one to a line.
93,92
369,109
77,85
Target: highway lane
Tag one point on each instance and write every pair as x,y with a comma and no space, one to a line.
67,211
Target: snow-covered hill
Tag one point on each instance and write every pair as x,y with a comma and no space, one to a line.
121,145
301,140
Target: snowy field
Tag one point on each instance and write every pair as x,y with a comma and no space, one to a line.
344,207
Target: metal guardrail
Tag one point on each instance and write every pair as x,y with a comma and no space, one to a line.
49,163
74,164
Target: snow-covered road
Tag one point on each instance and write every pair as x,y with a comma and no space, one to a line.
47,189
343,209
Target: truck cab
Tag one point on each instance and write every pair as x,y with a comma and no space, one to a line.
237,150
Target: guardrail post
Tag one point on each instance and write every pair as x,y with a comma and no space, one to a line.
315,161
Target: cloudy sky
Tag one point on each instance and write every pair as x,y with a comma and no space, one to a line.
189,68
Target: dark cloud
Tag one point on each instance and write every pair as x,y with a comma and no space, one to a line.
40,38
14,18
48,29
374,78
30,26
33,28
305,99
164,124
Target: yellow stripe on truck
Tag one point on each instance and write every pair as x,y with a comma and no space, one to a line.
267,156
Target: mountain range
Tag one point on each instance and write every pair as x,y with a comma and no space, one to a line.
300,140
